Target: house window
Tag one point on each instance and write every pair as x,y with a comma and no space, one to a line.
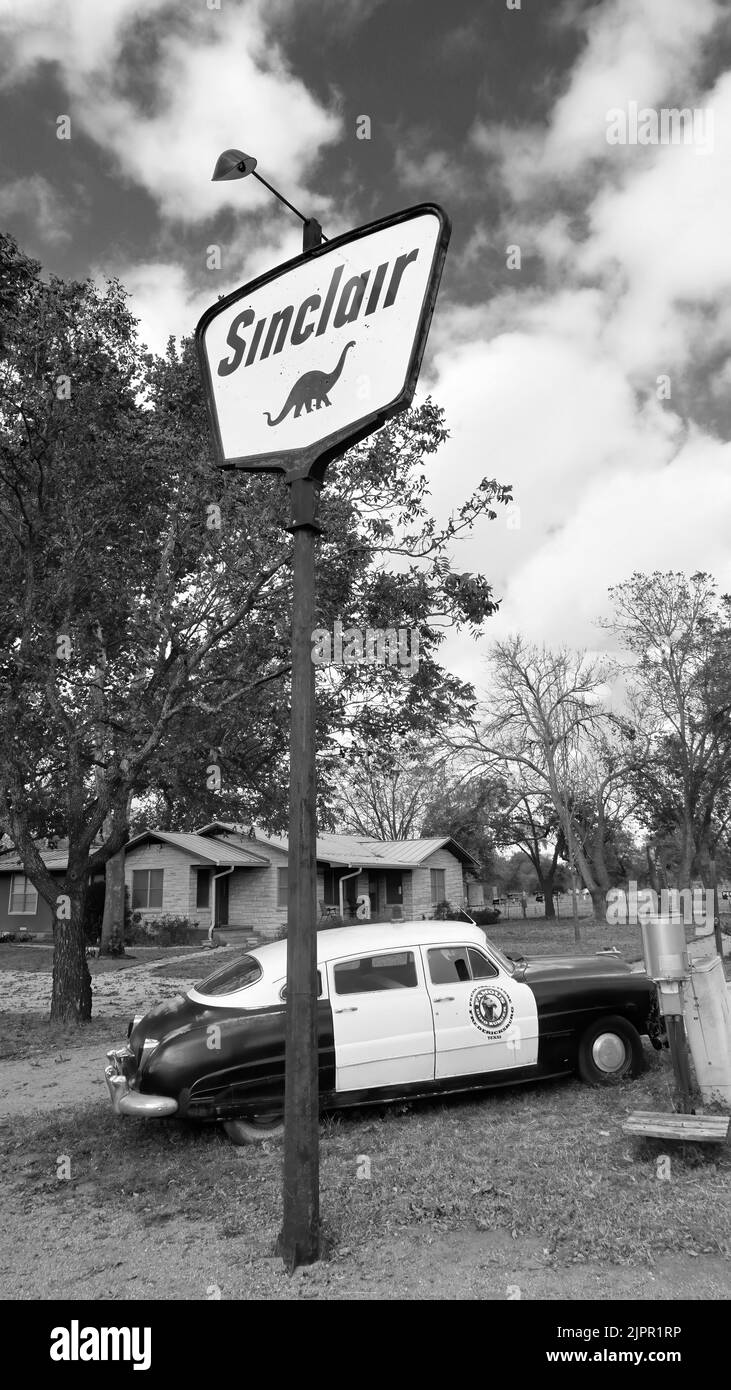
203,888
147,888
23,897
437,886
394,888
282,887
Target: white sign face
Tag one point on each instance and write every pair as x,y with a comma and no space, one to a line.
322,350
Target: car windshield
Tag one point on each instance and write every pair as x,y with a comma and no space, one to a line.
507,964
238,975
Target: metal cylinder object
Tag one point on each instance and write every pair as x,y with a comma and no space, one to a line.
664,948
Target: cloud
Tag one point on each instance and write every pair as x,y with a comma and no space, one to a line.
212,78
168,302
629,519
432,171
666,253
552,385
34,200
636,50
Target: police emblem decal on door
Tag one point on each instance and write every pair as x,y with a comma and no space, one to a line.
491,1010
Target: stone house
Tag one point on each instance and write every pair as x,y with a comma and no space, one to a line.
22,909
226,877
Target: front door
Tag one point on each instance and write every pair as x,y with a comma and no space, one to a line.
484,1020
382,1020
221,891
394,889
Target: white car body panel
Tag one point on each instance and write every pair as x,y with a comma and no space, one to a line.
384,1037
482,1025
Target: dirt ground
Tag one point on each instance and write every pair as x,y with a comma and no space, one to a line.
80,1248
46,1083
124,1257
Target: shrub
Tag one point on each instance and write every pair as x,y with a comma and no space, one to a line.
482,916
167,930
135,933
485,916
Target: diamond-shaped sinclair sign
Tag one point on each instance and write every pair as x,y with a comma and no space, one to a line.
308,359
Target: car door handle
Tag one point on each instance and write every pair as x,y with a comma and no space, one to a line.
444,999
352,1010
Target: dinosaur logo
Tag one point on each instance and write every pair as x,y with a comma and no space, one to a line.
491,1009
310,391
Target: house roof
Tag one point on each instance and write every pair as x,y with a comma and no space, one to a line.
56,860
339,851
355,851
211,850
53,860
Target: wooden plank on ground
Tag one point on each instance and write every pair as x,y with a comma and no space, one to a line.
675,1126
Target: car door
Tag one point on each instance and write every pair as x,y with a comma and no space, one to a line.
382,1020
484,1019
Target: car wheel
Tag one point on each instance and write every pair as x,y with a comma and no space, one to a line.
256,1130
610,1050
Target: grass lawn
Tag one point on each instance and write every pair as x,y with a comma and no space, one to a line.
33,958
538,937
548,1161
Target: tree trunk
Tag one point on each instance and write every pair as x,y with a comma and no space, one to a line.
546,882
713,885
113,919
71,991
652,869
685,866
599,904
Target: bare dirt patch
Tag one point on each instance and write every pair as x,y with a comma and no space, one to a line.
46,1066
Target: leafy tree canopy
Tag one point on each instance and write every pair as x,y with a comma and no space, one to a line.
145,624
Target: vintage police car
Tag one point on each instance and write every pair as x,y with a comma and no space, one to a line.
405,1010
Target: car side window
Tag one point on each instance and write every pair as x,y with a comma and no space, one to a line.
482,968
396,970
448,965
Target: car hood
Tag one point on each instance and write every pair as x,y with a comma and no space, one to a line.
577,967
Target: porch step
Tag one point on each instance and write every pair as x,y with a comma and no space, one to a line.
675,1126
240,936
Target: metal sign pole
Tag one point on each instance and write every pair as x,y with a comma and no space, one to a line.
278,364
300,1237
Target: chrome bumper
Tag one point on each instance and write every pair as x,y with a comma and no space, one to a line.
126,1101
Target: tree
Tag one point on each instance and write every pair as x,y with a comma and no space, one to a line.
548,732
679,634
145,628
384,795
678,631
464,810
529,821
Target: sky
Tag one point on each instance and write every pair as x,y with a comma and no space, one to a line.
590,368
